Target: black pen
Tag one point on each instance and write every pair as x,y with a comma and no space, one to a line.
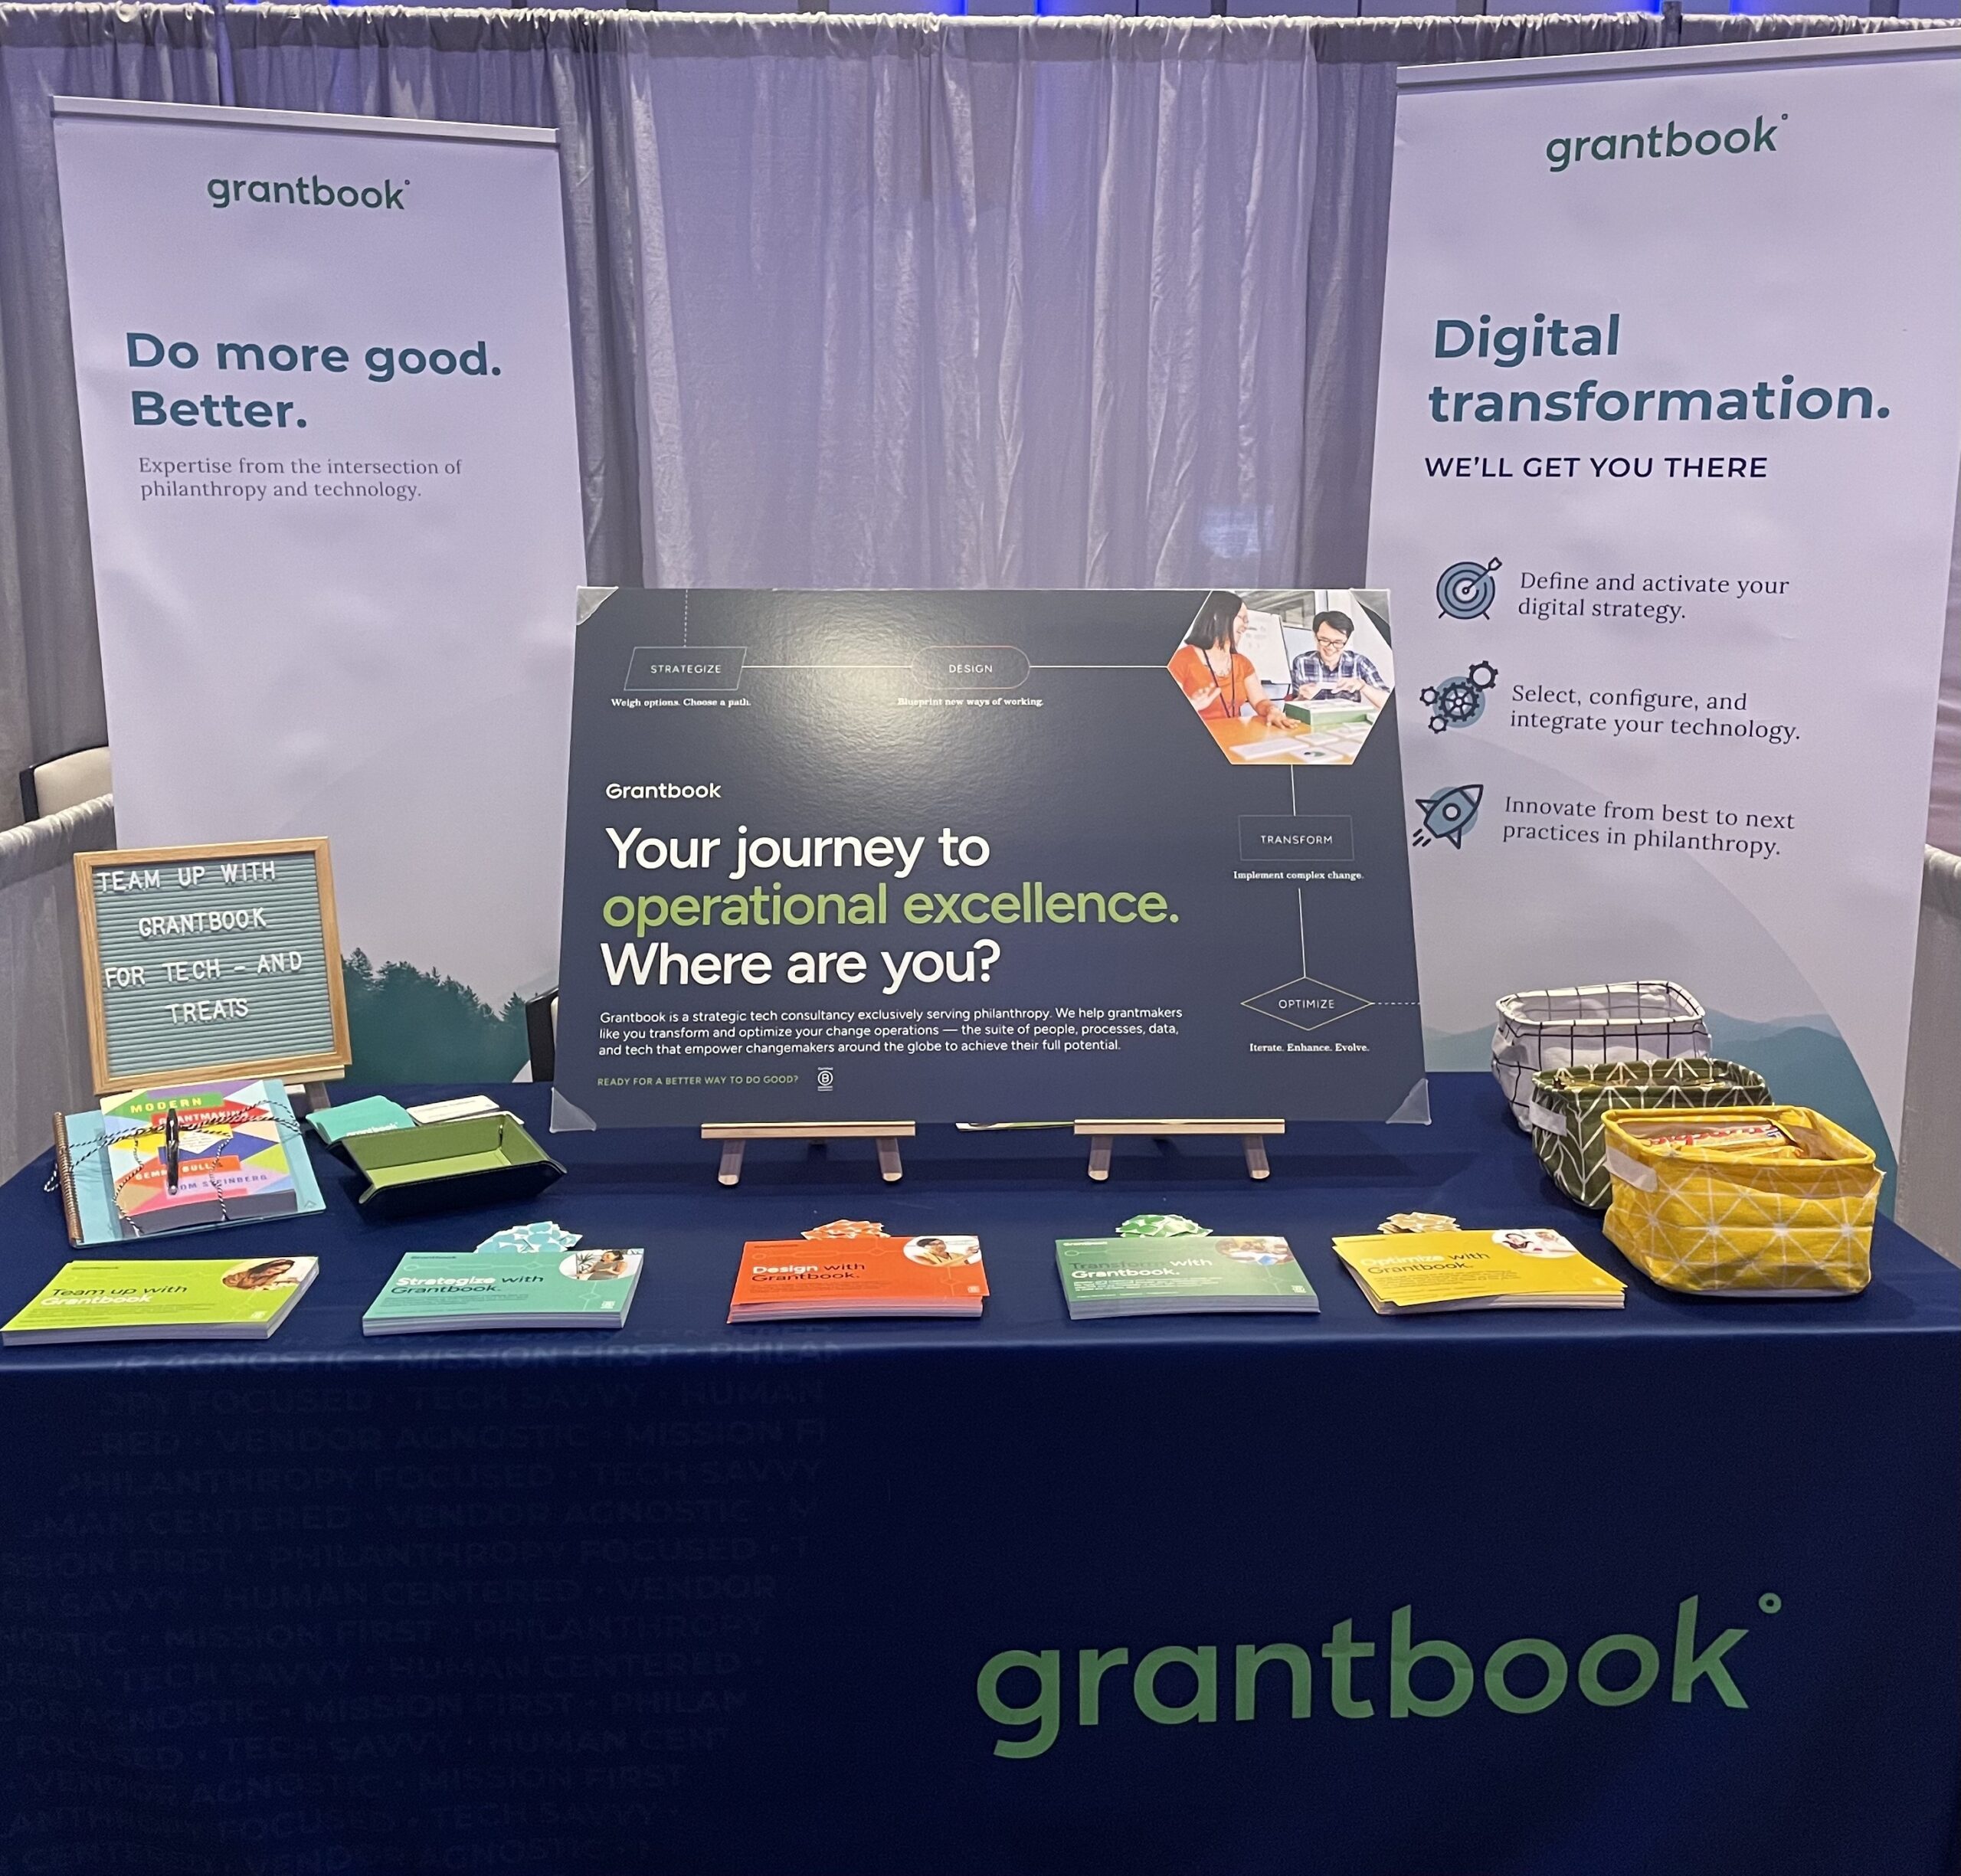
170,1150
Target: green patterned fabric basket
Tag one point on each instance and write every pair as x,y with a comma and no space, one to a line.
1567,1105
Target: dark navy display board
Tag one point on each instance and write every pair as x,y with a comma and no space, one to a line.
720,1601
933,856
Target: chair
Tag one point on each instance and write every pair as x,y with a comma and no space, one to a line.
64,781
540,1030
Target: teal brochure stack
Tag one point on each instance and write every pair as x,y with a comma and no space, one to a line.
463,1291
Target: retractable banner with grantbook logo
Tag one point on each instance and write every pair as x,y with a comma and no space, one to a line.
325,371
1666,449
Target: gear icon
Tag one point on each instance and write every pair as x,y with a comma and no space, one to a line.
1458,701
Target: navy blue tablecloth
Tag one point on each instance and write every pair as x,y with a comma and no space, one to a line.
1540,1594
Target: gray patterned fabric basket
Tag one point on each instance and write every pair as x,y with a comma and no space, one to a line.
1567,1105
1588,1026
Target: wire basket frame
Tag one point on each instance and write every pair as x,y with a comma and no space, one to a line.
1589,1025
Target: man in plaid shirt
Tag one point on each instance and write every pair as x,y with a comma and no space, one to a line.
1332,670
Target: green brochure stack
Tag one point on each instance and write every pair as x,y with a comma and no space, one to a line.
1192,1274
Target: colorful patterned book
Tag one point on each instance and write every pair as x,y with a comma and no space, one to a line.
210,1153
94,1151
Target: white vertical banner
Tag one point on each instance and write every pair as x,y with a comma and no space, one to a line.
1666,465
325,372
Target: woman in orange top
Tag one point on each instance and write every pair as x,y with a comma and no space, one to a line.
1215,674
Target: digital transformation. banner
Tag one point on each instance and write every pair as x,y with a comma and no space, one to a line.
986,856
1665,467
325,371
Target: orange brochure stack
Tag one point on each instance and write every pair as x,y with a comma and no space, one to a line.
852,1269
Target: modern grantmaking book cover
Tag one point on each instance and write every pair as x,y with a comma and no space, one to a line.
207,1153
1406,1272
1193,1275
860,1275
434,1290
160,1299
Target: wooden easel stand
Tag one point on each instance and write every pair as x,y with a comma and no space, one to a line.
1103,1135
735,1136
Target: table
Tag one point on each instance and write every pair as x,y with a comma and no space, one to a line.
704,1599
1260,743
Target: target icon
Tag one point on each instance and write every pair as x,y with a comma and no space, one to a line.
1466,590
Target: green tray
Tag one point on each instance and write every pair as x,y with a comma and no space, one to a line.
482,1159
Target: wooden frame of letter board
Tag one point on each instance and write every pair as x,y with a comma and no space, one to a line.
328,1064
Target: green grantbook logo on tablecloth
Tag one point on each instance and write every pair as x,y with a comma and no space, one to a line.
1035,1692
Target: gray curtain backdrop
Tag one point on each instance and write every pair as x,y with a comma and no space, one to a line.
43,1024
50,673
899,301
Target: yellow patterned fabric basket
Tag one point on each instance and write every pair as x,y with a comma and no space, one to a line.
1782,1206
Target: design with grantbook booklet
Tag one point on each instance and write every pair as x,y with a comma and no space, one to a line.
1192,1273
164,1299
1409,1272
436,1291
850,1268
190,1158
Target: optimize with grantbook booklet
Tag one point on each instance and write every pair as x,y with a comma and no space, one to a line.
1404,1272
